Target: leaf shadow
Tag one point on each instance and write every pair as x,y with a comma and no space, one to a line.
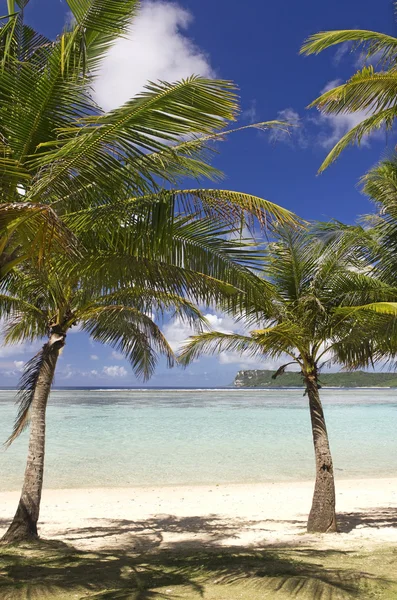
380,517
55,570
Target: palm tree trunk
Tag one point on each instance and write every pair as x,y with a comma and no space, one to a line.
24,524
322,516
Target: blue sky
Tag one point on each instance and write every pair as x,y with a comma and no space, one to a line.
256,45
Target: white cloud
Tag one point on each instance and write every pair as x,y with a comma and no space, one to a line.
177,333
155,48
297,134
67,372
335,127
117,355
11,368
341,52
75,328
92,373
358,59
222,323
70,19
330,85
250,114
94,357
323,130
115,371
18,349
362,60
250,362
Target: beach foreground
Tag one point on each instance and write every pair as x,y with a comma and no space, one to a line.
146,518
217,542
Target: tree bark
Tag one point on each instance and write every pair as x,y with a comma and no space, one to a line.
322,517
24,524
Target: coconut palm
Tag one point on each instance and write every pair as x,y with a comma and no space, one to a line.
59,151
117,318
371,93
127,273
305,285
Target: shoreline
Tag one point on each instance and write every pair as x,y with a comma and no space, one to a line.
221,515
225,388
146,487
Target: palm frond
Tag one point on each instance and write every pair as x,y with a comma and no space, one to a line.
16,305
356,134
213,342
26,390
38,99
279,339
290,261
281,370
38,229
154,211
158,116
374,43
351,288
365,91
381,308
144,300
380,184
191,157
98,24
131,333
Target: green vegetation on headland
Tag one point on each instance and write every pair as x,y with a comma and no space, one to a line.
57,572
357,379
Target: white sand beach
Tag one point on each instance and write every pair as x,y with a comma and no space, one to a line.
267,514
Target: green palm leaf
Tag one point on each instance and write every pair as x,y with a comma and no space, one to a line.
373,93
99,23
96,146
26,389
213,342
130,332
365,91
356,134
372,41
382,308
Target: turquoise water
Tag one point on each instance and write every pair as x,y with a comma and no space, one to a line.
166,437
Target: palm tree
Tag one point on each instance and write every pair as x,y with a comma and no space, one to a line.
128,273
116,318
371,92
304,287
60,152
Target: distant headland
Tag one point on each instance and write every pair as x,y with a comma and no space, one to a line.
356,379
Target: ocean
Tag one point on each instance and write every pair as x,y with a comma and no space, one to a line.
148,437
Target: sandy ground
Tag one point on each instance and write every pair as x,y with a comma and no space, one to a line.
142,519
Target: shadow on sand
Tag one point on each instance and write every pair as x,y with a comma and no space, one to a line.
374,518
149,533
